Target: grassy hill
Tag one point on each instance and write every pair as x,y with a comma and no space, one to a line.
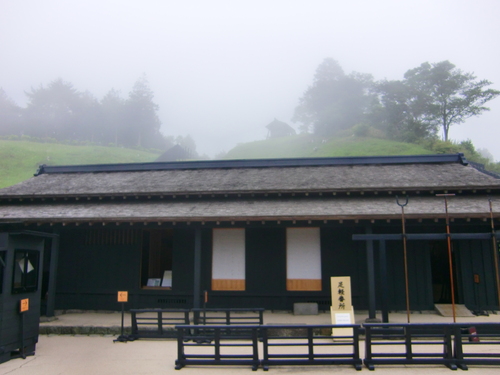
307,145
19,160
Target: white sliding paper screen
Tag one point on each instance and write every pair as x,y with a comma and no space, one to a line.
303,259
228,259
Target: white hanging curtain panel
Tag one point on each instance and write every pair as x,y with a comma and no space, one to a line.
228,259
303,259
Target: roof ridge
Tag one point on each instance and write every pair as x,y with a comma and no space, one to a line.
255,163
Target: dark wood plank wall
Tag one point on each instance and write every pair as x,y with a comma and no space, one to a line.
343,257
91,272
419,276
476,258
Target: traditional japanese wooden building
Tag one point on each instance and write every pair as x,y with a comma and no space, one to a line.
260,233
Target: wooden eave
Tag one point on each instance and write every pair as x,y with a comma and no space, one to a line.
255,194
264,220
286,209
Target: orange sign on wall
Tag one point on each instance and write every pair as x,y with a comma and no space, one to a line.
25,305
122,296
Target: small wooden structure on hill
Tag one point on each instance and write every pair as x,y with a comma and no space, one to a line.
277,129
175,153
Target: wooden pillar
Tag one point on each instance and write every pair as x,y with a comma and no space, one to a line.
51,293
383,281
197,268
370,265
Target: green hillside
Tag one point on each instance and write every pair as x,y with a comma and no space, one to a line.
19,160
306,145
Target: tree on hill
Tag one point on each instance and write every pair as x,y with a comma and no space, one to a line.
61,112
113,116
88,126
142,124
51,111
402,113
10,114
434,95
335,101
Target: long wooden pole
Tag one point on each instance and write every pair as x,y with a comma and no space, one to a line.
495,251
402,205
450,258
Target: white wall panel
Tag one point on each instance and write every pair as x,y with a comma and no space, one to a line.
228,259
303,253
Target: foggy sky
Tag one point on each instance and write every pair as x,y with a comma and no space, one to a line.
222,70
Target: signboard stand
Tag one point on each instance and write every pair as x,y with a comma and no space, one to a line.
341,310
122,297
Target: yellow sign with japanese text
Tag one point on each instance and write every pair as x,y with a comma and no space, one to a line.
341,310
122,296
24,305
341,293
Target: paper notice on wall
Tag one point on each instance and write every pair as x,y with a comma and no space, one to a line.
154,282
341,318
166,281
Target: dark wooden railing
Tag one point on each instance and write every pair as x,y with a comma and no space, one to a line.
477,344
236,316
240,347
156,323
310,345
224,349
416,344
234,335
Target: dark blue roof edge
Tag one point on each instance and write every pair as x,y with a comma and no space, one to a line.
253,163
480,168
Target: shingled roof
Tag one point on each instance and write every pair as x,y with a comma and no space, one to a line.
243,190
405,173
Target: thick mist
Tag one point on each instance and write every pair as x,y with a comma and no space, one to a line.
221,71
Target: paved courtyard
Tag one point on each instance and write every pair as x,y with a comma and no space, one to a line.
97,354
84,355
